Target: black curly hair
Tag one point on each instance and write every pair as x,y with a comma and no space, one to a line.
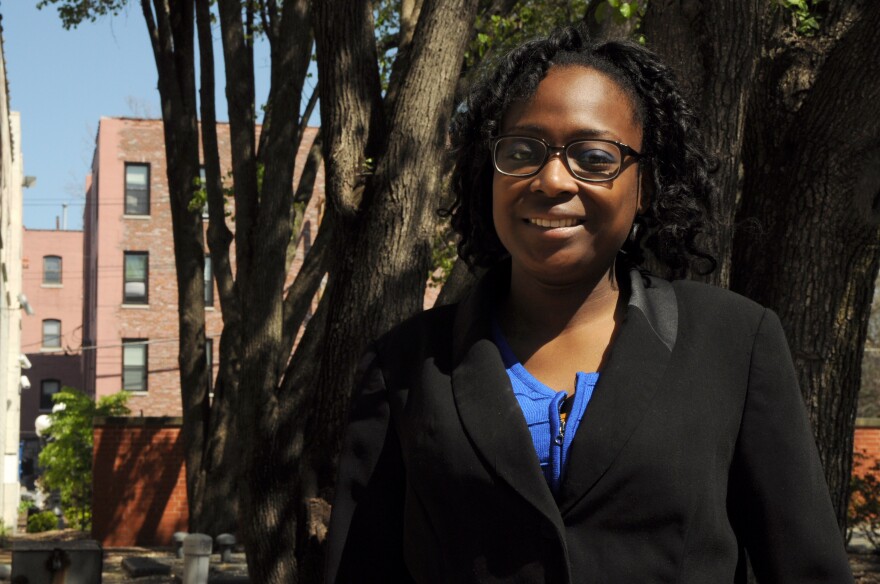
675,158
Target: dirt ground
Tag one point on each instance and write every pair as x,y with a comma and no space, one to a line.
866,567
865,563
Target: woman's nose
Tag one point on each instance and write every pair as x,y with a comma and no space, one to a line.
554,179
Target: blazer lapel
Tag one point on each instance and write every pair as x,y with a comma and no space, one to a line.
627,384
488,410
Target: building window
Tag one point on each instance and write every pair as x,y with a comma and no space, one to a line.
209,362
136,277
203,185
48,388
134,364
51,334
137,189
51,270
209,282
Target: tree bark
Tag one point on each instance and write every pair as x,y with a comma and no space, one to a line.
264,197
351,101
714,47
811,199
240,102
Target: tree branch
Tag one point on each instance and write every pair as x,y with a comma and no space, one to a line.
302,197
219,235
299,297
239,97
306,116
351,105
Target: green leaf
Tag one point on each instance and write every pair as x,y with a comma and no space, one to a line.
626,10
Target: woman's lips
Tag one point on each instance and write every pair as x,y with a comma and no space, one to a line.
555,223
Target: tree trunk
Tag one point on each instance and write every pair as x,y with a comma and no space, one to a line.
713,46
264,198
811,201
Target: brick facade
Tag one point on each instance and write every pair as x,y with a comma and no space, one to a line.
866,445
56,296
139,492
110,233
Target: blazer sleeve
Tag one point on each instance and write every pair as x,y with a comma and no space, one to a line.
781,502
365,537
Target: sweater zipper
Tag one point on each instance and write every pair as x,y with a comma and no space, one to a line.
557,449
560,437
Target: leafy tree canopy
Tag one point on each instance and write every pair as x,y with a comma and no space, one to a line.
74,12
66,460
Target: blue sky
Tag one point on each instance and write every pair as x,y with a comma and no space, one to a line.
63,81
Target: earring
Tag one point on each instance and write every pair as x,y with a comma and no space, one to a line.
633,231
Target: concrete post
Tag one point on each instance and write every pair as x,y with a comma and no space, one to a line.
179,536
196,558
225,542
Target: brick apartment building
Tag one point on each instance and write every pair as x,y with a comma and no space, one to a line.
130,324
130,292
51,338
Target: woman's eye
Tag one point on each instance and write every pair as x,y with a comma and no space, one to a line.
520,152
595,159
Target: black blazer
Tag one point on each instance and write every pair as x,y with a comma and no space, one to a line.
694,449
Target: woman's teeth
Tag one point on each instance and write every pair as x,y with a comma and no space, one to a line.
571,222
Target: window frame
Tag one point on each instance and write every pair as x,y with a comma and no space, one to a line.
125,280
46,281
145,377
43,344
208,277
209,364
43,393
126,210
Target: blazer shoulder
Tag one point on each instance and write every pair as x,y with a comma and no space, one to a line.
424,333
704,298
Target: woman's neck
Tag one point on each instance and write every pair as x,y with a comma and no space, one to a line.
544,310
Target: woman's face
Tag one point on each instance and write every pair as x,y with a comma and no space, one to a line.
558,228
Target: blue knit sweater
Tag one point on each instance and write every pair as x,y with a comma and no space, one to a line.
541,407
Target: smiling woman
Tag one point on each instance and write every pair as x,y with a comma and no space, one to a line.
567,217
576,419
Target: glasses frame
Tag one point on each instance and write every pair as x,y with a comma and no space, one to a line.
559,151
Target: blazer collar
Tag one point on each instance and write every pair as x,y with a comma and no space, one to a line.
627,384
492,417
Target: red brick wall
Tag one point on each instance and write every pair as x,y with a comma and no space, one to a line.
139,482
866,444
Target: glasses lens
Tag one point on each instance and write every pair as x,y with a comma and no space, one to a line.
593,160
519,156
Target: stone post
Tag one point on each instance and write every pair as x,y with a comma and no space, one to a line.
196,558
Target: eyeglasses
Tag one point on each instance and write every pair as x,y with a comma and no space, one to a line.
587,160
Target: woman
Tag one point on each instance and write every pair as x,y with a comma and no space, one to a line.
574,420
